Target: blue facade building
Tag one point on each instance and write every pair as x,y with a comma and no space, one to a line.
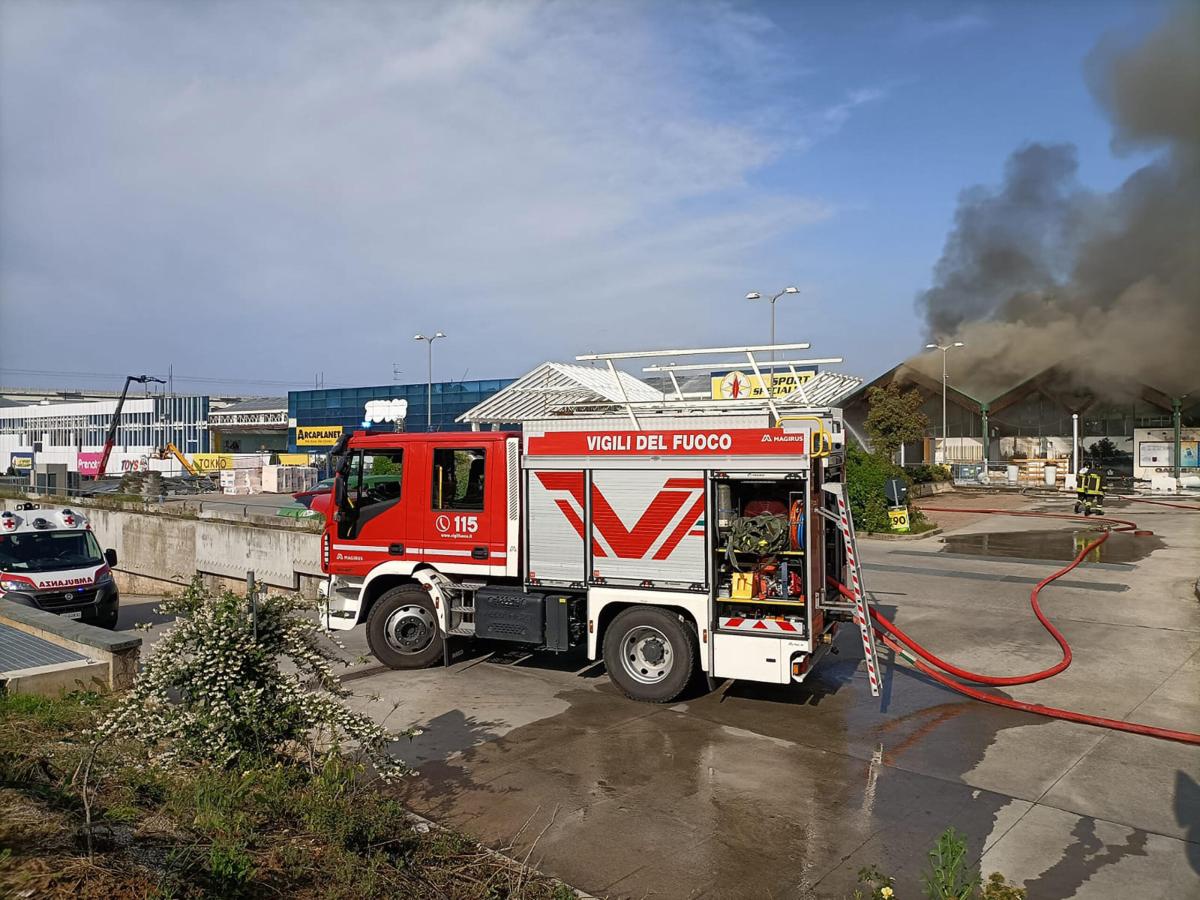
317,418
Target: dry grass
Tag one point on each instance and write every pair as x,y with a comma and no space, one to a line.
274,831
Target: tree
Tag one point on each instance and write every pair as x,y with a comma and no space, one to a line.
894,418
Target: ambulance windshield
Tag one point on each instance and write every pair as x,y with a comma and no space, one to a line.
48,551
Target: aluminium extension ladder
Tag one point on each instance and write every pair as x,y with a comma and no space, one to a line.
862,610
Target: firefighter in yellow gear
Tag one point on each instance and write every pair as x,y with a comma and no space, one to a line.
1089,493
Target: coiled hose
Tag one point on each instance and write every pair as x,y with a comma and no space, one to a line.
929,664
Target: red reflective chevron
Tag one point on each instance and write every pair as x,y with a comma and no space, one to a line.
635,542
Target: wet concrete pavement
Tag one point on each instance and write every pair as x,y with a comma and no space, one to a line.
754,791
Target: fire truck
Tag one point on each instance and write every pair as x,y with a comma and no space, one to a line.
667,532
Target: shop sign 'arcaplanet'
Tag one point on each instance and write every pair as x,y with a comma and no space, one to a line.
317,435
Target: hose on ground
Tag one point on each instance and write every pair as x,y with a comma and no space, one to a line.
929,664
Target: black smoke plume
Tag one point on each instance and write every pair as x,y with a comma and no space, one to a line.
1042,271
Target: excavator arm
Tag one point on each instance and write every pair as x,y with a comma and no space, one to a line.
183,460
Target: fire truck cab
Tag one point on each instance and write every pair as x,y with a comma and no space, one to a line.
665,533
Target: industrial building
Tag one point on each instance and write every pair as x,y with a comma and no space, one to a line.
317,418
308,421
73,433
250,426
1122,425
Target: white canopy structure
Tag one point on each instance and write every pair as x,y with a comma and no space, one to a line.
560,389
823,389
554,390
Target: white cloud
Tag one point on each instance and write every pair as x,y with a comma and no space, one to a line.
917,28
270,188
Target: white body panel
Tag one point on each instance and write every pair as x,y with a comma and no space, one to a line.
341,599
695,605
556,513
434,583
755,658
648,526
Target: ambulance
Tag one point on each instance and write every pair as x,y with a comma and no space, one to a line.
50,560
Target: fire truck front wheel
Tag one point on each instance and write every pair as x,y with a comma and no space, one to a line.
402,629
650,654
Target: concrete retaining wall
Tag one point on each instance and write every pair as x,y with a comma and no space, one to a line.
157,549
929,488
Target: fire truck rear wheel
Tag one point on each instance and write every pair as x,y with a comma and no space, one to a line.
650,654
402,629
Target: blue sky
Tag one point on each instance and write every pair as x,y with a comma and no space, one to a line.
263,191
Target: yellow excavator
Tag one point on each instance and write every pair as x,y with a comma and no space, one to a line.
183,460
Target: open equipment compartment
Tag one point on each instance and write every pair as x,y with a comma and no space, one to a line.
761,569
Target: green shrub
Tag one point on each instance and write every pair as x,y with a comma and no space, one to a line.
866,477
924,474
216,690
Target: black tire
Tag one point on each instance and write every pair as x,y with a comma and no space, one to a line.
403,630
108,620
650,654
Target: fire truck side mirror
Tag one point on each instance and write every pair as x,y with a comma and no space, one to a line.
339,491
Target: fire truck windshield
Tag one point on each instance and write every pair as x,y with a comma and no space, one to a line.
46,551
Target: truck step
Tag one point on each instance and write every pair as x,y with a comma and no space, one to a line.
462,609
837,607
462,631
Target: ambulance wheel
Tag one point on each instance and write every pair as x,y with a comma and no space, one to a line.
650,654
402,629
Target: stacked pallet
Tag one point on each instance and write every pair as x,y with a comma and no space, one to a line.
242,480
288,479
1032,472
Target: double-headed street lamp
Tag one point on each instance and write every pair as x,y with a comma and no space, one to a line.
946,349
429,383
755,295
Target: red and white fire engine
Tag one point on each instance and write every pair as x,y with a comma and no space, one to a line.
666,531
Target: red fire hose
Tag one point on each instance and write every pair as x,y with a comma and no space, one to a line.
928,663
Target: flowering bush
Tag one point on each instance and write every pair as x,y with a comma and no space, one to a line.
226,688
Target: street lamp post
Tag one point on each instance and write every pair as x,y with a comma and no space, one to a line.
755,295
944,350
429,382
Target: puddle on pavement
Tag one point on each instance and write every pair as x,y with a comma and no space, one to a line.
1061,544
719,776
